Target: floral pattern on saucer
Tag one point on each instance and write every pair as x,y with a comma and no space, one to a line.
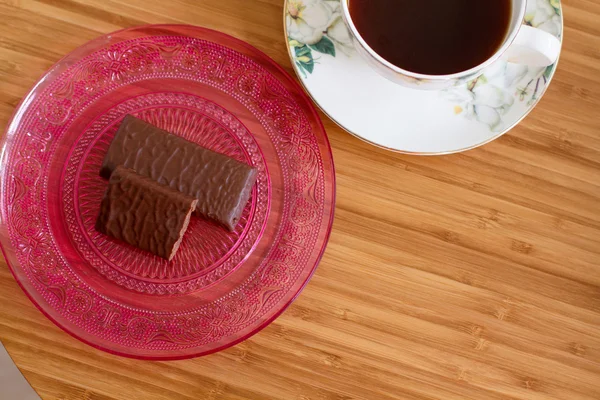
489,97
315,26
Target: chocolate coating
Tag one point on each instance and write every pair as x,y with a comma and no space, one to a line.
221,184
144,213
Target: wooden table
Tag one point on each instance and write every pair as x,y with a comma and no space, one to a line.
472,276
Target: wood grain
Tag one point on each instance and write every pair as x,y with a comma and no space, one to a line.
471,276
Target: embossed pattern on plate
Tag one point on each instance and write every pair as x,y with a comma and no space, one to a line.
207,253
222,287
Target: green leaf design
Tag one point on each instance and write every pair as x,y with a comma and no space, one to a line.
301,68
548,70
325,46
294,43
472,84
304,58
302,51
308,66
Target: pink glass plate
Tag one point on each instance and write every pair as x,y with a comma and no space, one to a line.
222,286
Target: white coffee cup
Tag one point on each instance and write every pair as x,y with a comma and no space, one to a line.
523,45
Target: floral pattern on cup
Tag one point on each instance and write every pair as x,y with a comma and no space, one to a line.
315,26
489,97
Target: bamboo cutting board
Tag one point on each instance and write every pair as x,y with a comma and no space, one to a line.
471,276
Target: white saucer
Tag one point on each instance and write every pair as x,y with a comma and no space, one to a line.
408,120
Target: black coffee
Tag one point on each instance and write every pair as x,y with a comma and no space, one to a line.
434,37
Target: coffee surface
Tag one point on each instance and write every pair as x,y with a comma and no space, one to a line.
434,37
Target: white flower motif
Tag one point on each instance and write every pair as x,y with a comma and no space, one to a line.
505,74
485,103
514,73
492,96
334,5
552,25
489,116
338,32
543,14
308,20
489,104
495,70
460,95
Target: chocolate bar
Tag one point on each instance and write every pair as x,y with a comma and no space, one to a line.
221,184
144,213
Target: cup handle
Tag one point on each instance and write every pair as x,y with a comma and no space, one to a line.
533,47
